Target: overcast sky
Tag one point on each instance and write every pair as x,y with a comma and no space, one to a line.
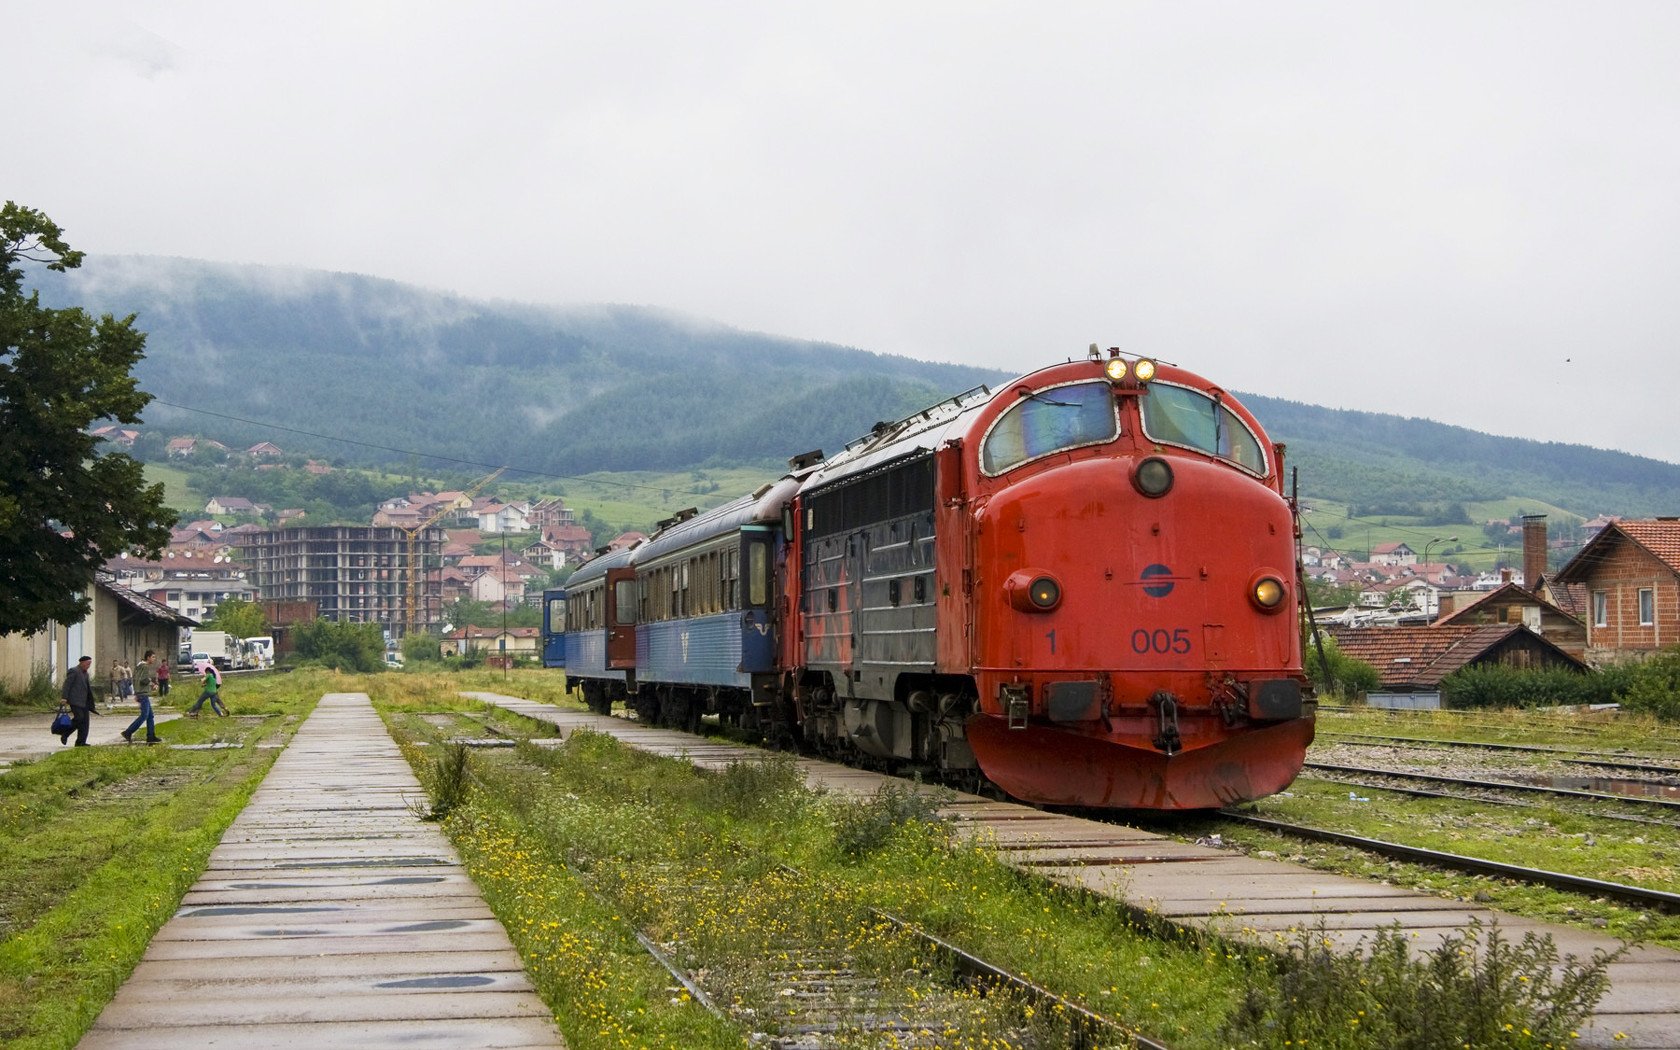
1465,212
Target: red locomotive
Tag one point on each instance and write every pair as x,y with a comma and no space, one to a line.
1081,587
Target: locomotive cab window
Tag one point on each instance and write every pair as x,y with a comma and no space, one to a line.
1176,415
1050,420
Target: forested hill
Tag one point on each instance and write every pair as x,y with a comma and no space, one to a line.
561,390
577,390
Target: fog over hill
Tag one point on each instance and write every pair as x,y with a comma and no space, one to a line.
571,390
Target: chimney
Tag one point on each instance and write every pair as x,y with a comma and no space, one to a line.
1504,575
1444,606
1534,549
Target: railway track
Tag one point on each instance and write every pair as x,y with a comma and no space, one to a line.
1636,801
1660,900
824,998
1350,780
1576,756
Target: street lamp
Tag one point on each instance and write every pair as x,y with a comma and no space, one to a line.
1434,601
1433,542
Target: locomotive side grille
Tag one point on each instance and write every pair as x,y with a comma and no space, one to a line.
893,490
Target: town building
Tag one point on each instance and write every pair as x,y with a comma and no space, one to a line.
1515,604
353,573
120,627
1630,573
518,642
192,582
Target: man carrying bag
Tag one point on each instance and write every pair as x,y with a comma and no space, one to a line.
78,693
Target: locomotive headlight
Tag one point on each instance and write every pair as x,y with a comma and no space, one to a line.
1267,592
1115,369
1144,369
1033,590
1153,477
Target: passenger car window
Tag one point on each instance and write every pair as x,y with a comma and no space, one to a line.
1177,415
1050,420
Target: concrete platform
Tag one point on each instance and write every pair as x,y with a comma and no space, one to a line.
25,736
330,916
1204,888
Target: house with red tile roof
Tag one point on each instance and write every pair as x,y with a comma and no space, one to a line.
1393,554
1630,572
515,641
1512,603
232,505
1412,661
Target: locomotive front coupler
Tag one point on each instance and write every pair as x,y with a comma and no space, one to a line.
1166,739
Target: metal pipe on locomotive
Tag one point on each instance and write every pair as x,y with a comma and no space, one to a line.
1079,587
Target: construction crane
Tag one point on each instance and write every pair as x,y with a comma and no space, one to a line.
413,586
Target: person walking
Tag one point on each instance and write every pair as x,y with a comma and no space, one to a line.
211,692
78,693
163,678
113,685
145,678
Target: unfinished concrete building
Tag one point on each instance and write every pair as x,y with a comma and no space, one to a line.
353,573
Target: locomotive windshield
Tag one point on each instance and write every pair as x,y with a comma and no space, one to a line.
1050,420
1177,415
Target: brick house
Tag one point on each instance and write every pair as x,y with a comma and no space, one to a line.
1630,572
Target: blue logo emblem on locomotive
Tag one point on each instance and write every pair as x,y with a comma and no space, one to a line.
1157,581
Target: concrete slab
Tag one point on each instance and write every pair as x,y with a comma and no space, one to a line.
330,916
348,966
525,1033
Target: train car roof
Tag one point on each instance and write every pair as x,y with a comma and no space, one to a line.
596,567
763,507
719,520
922,432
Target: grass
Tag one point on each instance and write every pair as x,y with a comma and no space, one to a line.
101,843
175,492
692,858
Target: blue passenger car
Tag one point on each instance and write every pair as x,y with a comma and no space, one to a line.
588,640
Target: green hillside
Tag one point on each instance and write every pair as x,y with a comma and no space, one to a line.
634,412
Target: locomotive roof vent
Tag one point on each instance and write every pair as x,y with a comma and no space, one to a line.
805,459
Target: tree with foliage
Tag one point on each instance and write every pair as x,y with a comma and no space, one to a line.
67,503
421,647
341,646
240,618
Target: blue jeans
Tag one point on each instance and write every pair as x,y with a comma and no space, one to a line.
144,718
215,704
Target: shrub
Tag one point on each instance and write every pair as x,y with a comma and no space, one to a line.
448,780
1496,685
340,646
37,692
865,825
1475,989
1652,686
773,784
421,647
1348,677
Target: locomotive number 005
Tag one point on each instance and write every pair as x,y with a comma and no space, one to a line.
1161,641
